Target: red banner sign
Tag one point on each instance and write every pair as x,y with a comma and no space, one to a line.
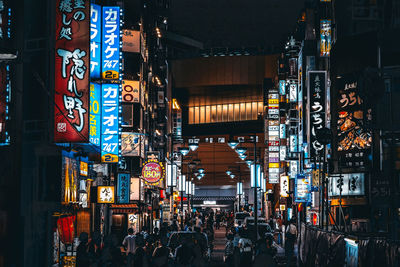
72,67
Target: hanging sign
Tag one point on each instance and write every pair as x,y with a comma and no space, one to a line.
130,91
95,41
302,188
72,62
284,186
111,43
105,194
325,37
95,114
124,181
153,172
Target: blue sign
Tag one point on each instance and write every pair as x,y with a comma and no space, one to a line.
95,41
124,181
110,121
351,253
302,190
95,114
282,87
111,43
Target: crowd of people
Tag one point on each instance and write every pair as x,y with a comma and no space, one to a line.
148,249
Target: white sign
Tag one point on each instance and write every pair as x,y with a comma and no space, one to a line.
353,185
282,131
293,168
209,202
293,92
282,153
134,193
284,186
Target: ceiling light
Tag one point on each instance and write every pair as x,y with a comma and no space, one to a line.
184,150
232,176
241,150
233,144
243,156
228,172
193,146
249,162
201,170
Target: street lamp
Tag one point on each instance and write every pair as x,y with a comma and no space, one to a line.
232,175
193,146
243,156
184,150
239,192
249,162
233,144
228,172
241,150
182,188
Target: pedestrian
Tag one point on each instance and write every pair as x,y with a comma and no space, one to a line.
161,254
266,253
129,244
245,245
82,255
140,258
290,239
95,248
199,223
184,254
229,249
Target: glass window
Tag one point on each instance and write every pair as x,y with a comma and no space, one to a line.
213,113
224,112
203,114
196,115
254,110
236,112
208,114
191,115
260,107
248,111
127,115
230,113
219,113
242,111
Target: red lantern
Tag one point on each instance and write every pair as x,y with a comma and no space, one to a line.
66,229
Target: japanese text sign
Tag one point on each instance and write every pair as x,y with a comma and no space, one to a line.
302,188
325,37
317,90
71,111
110,123
111,43
284,186
124,182
130,91
95,41
153,172
353,184
95,114
105,194
131,144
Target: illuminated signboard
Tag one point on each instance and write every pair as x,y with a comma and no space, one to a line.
353,185
5,21
282,153
105,194
294,168
131,41
293,143
284,186
153,172
124,182
69,178
111,43
282,87
110,123
72,61
95,41
316,107
282,131
130,91
5,96
95,114
83,168
293,92
273,136
134,193
353,137
325,37
131,144
302,192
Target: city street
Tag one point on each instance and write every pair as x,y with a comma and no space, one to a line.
161,133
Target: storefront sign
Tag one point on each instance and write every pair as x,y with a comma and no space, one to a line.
134,193
282,87
353,184
153,172
84,168
71,98
111,40
131,144
325,38
354,139
294,168
282,207
282,131
209,202
5,96
95,41
69,178
130,91
316,107
105,194
302,188
293,92
293,143
124,180
110,123
282,153
131,41
95,114
284,186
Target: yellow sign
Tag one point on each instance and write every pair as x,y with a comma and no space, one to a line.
109,158
273,101
282,207
273,165
84,168
105,194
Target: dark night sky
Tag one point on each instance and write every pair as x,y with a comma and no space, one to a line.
235,23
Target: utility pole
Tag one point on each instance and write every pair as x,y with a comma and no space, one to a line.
255,188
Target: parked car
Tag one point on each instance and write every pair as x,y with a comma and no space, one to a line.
178,238
240,217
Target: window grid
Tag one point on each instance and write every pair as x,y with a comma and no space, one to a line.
225,112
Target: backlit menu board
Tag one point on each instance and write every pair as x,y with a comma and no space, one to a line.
273,137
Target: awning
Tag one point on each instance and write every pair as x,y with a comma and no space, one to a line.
124,208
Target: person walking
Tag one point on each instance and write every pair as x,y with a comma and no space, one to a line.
161,253
129,244
245,245
290,239
82,255
229,249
